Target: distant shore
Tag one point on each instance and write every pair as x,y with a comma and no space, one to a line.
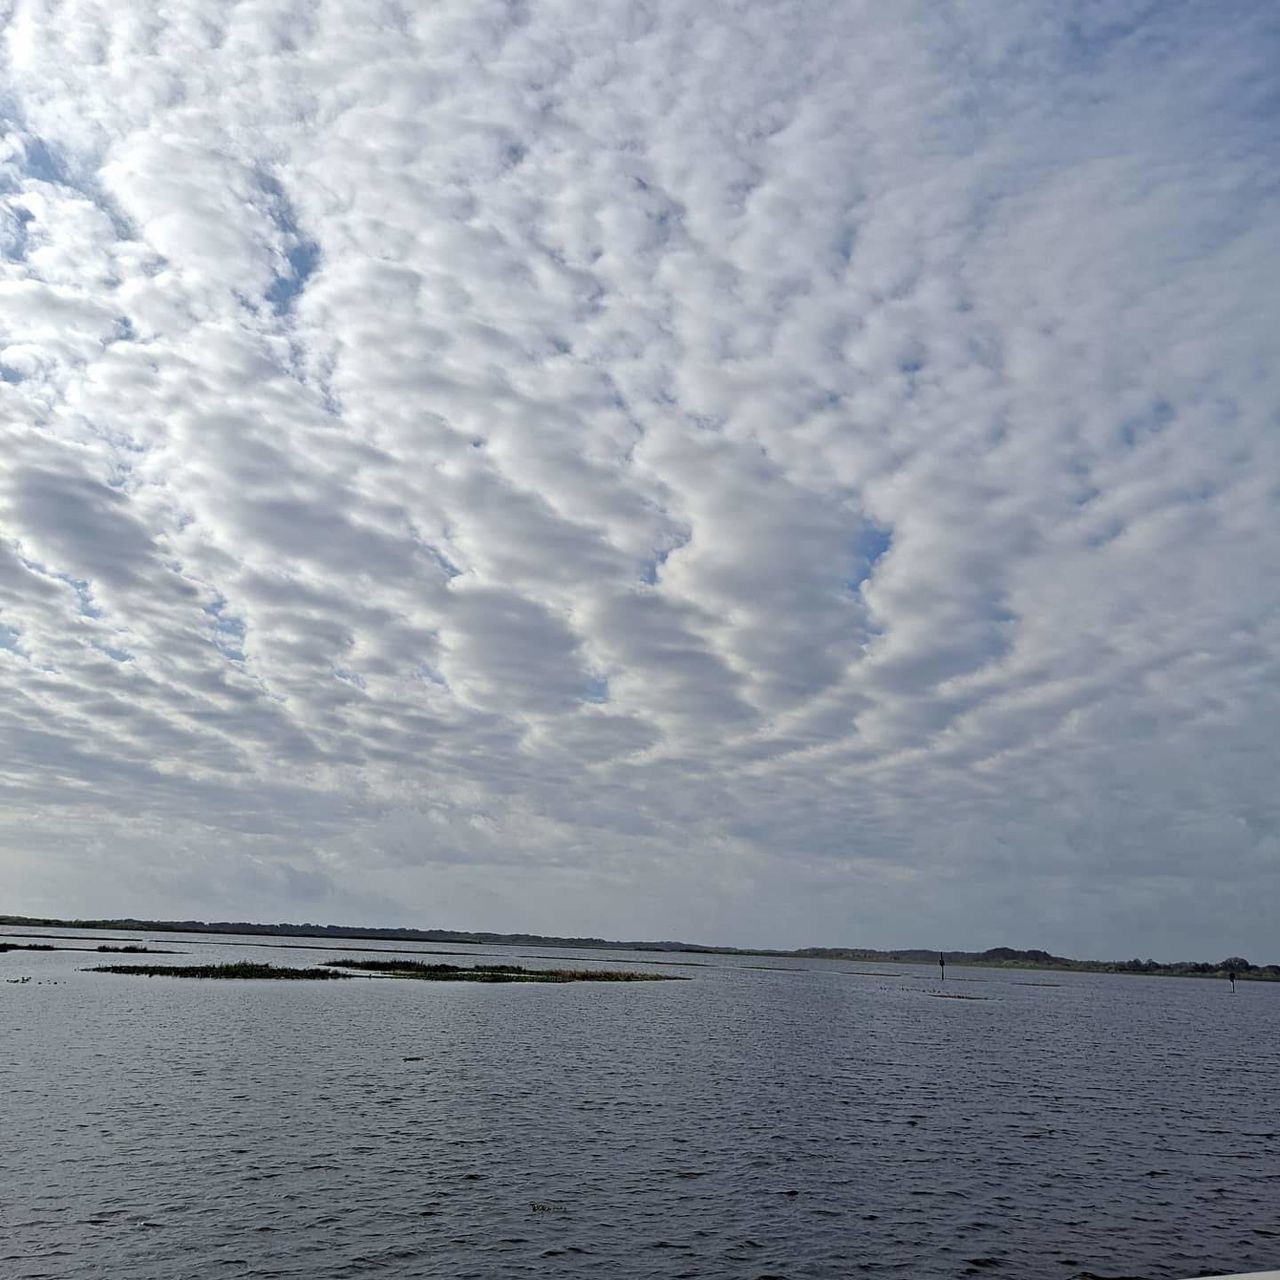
994,957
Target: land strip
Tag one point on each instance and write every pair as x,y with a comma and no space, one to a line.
994,957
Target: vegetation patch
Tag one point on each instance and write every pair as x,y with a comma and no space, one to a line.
417,969
135,950
232,971
131,948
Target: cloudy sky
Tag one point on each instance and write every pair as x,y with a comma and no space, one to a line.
757,471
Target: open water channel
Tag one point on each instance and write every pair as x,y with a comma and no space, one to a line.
765,1118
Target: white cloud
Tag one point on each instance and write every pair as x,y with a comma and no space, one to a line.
776,474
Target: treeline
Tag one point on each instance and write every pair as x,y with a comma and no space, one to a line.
1010,958
1187,968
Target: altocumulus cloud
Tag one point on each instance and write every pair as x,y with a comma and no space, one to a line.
768,472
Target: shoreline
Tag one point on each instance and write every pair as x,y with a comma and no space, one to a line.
994,958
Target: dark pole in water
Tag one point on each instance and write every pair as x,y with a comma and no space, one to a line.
942,965
1231,973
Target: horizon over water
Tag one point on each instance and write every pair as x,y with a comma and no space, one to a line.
294,934
795,1118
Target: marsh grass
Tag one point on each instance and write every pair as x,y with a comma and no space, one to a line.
423,972
242,969
414,969
134,950
48,946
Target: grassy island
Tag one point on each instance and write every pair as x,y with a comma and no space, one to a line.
233,971
48,946
413,969
134,950
492,972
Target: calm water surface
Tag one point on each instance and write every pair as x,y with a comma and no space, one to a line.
815,1119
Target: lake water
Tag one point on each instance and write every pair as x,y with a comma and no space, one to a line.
807,1119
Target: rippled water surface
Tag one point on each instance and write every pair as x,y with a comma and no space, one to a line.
765,1118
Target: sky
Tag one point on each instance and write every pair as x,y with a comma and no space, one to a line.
749,471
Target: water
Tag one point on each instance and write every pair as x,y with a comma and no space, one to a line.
807,1119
